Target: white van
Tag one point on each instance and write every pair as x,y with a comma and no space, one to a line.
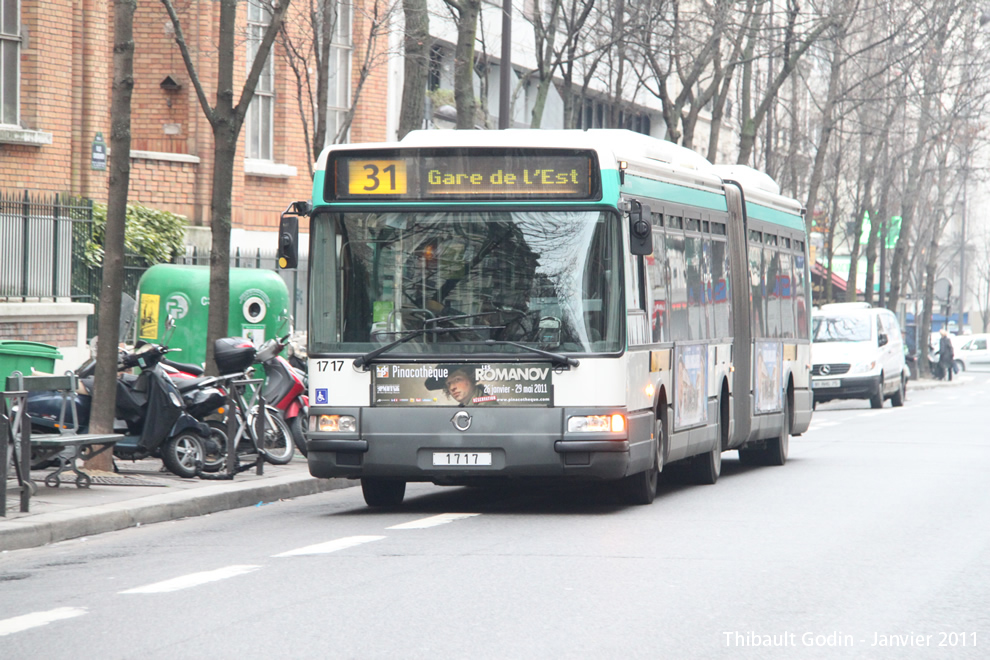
857,353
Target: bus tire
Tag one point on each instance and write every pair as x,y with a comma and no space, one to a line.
706,468
777,448
641,488
383,492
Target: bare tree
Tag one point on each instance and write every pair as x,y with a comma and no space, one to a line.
798,37
465,14
416,63
105,390
225,120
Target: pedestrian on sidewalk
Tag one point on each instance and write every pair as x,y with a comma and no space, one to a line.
945,355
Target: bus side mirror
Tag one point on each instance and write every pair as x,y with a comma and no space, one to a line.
288,241
640,230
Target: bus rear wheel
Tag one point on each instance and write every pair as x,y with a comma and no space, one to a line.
777,448
383,492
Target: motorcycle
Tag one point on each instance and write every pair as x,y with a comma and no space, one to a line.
285,387
150,413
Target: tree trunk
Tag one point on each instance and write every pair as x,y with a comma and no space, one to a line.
224,148
416,66
467,30
105,391
328,25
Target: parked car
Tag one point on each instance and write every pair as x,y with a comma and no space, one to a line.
857,353
972,351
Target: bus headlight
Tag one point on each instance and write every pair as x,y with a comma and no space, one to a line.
335,423
596,424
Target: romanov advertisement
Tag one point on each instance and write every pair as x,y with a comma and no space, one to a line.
690,385
767,374
463,384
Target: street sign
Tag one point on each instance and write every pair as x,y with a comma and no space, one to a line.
98,161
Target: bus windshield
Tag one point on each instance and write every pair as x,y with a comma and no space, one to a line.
544,279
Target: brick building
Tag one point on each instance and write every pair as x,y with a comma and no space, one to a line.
56,71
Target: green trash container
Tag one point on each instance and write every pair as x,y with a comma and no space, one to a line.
258,307
17,355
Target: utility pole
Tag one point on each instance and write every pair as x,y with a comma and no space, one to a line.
883,261
962,258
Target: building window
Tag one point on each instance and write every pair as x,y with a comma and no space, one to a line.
339,87
10,61
260,117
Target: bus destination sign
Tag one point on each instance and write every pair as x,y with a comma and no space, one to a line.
460,174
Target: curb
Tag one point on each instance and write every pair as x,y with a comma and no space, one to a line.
45,528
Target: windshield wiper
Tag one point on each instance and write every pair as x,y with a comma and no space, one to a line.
364,360
557,359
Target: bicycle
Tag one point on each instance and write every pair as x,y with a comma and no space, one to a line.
246,432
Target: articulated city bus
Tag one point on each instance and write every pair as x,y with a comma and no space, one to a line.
549,304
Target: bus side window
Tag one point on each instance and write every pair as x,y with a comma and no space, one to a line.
657,271
785,284
678,299
756,290
800,296
720,300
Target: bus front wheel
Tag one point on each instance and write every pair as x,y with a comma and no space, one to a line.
383,492
641,488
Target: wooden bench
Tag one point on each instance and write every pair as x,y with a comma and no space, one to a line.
68,445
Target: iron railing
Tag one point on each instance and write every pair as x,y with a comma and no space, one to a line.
43,242
42,239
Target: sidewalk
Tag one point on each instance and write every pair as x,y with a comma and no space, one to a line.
931,383
141,493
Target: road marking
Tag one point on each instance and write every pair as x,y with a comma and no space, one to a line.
35,619
330,546
821,425
193,580
433,521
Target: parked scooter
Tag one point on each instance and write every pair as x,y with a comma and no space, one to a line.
149,412
285,388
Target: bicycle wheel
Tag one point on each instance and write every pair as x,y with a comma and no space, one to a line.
276,445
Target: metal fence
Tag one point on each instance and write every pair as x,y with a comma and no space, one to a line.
43,242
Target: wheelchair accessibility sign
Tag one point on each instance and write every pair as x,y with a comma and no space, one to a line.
322,396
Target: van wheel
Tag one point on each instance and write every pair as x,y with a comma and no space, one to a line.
876,401
383,492
897,400
958,366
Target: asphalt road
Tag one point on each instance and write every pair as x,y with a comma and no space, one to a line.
872,542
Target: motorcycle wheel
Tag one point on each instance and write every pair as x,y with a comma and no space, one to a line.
277,444
296,426
215,447
181,453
